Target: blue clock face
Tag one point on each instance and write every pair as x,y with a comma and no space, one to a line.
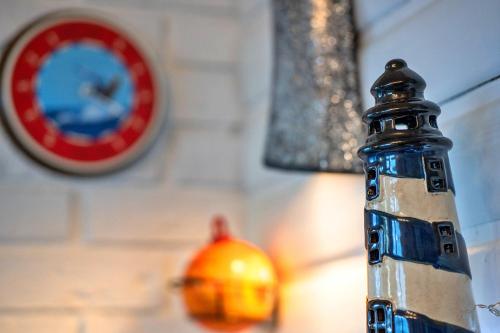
84,98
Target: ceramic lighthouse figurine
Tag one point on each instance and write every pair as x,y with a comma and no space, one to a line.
419,279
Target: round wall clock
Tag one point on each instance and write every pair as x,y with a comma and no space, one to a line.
79,94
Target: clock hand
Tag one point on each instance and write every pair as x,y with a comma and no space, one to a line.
109,90
103,92
98,87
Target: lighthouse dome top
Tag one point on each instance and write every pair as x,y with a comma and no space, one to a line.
397,82
401,118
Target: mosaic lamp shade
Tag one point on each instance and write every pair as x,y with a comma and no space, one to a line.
315,122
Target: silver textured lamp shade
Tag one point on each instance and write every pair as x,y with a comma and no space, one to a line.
315,122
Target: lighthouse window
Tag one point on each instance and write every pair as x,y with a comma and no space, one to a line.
445,230
448,248
374,256
447,238
435,164
379,317
432,121
371,193
371,174
436,175
375,127
438,183
374,246
371,183
405,123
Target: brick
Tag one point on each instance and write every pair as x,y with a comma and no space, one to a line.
206,156
256,53
64,278
170,5
22,323
140,324
247,7
171,318
204,95
174,215
20,12
33,213
13,163
201,38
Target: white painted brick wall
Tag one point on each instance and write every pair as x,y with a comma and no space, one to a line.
40,323
172,319
206,156
33,213
197,38
256,51
59,277
202,94
176,215
97,255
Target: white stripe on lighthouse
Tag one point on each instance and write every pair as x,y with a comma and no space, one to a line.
438,294
408,197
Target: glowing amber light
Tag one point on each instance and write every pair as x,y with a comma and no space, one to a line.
230,284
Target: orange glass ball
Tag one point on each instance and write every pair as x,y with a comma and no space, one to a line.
230,284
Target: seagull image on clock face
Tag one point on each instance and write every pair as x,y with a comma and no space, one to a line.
93,99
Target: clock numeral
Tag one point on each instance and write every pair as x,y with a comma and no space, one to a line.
118,144
119,44
51,128
23,86
78,140
145,96
138,70
30,114
95,42
49,140
32,58
138,123
52,38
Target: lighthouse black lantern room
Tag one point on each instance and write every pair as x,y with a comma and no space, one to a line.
419,278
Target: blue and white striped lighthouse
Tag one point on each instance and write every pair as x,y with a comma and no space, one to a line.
419,279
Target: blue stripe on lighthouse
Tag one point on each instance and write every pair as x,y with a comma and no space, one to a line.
411,322
411,239
408,163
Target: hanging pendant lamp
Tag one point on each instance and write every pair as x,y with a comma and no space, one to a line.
230,284
315,122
